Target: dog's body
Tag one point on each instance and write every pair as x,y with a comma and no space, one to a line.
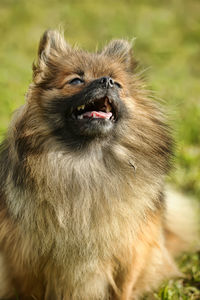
82,208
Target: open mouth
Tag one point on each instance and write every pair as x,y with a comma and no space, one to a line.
102,108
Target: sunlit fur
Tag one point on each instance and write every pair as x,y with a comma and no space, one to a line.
84,220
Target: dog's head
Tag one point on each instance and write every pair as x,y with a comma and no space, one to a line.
91,105
79,98
82,95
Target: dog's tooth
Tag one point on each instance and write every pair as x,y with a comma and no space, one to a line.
81,107
108,107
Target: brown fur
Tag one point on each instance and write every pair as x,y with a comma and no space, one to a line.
83,222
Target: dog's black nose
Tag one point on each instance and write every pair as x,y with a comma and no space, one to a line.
106,82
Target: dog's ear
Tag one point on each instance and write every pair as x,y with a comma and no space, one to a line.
52,44
120,50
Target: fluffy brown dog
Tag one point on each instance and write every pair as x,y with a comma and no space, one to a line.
82,208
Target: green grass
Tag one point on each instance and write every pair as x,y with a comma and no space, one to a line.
168,41
185,288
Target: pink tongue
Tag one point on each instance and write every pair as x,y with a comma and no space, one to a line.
97,115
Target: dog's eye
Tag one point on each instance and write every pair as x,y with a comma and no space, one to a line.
76,81
117,84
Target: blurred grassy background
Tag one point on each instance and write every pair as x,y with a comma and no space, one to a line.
168,41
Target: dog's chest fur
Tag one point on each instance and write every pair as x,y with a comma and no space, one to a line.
80,209
81,218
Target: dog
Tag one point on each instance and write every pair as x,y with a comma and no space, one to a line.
83,209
